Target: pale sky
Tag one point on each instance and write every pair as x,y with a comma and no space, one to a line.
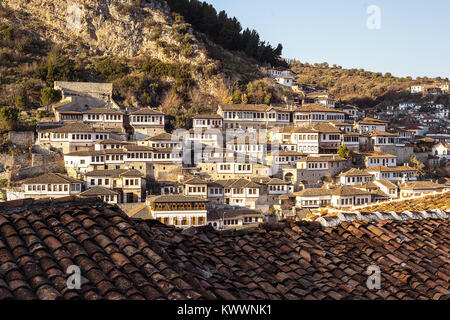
413,38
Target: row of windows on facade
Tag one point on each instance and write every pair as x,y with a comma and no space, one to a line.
359,179
152,119
128,182
319,165
166,145
74,136
255,115
208,122
332,137
179,206
349,201
240,167
368,128
287,158
278,188
379,161
308,148
331,164
397,174
228,222
204,136
167,190
185,221
111,146
109,198
329,117
323,203
148,155
113,117
53,187
255,147
98,159
386,140
351,139
71,117
219,191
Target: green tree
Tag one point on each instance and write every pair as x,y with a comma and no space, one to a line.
21,101
58,68
344,152
110,69
9,118
259,92
237,96
50,95
419,166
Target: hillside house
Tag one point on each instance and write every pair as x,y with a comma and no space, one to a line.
318,138
127,183
378,159
393,174
222,219
147,122
71,137
417,88
314,113
178,210
253,117
285,81
388,188
442,150
107,195
368,125
419,188
312,170
207,121
383,138
51,185
354,176
280,72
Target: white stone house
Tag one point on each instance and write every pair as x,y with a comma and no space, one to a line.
51,185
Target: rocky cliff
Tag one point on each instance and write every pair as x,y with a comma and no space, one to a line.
106,27
128,31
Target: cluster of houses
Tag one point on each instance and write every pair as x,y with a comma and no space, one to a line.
233,168
431,89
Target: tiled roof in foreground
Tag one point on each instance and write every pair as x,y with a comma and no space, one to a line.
438,201
123,258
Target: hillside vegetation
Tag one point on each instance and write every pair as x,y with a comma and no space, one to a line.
227,31
153,56
180,56
358,86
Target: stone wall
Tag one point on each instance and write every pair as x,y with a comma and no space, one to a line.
25,173
403,153
166,172
23,139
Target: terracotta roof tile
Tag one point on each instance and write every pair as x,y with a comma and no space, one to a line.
123,258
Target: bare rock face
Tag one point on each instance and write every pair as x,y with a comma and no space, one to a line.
109,27
120,28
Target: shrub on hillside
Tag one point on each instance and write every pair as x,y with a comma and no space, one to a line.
58,68
110,69
158,69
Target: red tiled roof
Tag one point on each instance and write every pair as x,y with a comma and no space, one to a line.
312,107
123,258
